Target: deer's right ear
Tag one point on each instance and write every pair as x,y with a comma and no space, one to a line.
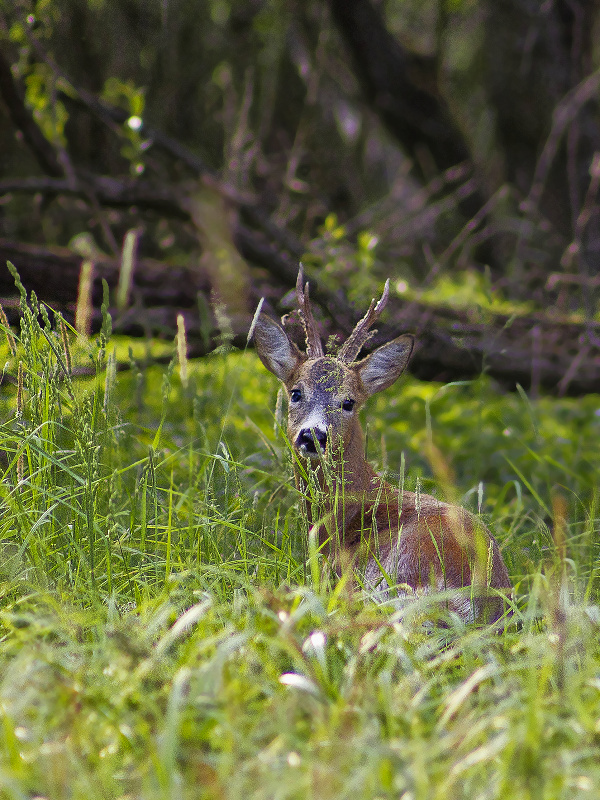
277,353
386,364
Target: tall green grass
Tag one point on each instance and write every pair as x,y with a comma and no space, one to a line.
166,632
115,488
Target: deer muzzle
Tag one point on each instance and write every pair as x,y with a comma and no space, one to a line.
309,439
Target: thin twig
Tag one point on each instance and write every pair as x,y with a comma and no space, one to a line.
564,113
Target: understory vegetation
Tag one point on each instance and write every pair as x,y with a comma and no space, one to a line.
168,633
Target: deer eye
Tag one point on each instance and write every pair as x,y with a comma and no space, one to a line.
348,404
295,395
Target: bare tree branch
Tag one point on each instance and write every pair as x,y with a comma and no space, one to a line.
248,205
556,355
24,121
402,89
148,196
564,114
416,116
112,115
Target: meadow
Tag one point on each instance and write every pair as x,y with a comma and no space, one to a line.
167,632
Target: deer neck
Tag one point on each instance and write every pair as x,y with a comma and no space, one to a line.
353,474
350,482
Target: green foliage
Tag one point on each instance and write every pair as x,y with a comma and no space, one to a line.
468,289
335,258
41,83
50,114
123,94
104,506
164,636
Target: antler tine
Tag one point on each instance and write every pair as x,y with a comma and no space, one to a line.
361,333
314,347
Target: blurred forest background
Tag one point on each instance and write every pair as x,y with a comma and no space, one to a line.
192,152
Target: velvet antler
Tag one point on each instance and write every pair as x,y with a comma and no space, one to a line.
314,347
362,333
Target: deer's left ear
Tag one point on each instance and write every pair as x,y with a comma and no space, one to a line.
386,364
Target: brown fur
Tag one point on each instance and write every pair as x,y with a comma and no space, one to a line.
419,541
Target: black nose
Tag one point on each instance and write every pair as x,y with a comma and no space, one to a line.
306,438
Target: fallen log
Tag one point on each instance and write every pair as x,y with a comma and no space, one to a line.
540,352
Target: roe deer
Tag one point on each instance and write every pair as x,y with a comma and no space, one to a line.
407,538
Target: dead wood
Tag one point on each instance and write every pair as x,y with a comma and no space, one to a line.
538,351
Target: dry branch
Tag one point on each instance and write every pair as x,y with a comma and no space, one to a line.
36,141
536,351
146,196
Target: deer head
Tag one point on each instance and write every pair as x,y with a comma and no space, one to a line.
326,392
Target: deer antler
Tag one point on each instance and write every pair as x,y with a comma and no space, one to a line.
361,333
314,348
